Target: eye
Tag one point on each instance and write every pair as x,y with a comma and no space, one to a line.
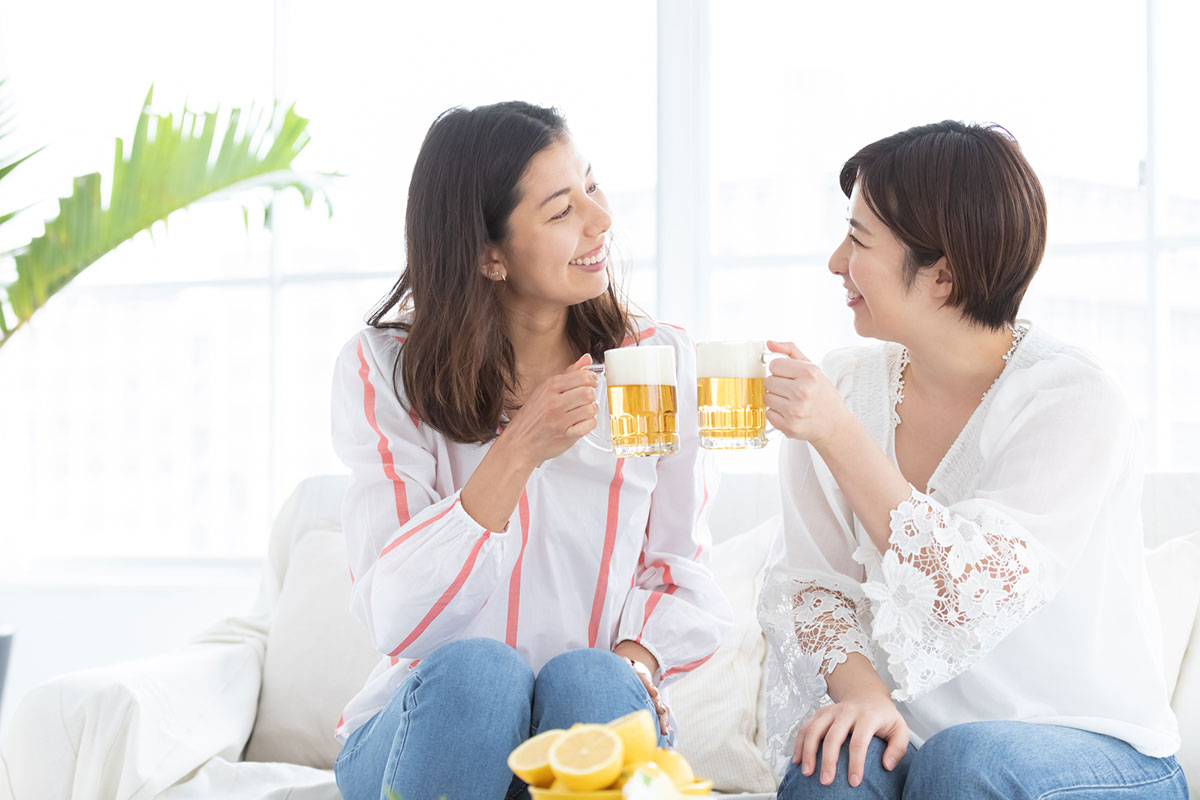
562,213
591,189
854,240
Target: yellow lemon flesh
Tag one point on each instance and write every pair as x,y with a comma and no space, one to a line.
639,734
587,758
531,760
674,765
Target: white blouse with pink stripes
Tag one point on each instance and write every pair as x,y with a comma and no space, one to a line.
599,549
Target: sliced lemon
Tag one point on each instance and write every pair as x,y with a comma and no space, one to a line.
587,758
675,765
646,767
639,734
531,760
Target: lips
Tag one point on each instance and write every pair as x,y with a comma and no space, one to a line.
590,258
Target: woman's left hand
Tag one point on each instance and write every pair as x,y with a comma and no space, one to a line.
801,401
639,656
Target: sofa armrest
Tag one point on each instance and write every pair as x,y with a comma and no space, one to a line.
132,729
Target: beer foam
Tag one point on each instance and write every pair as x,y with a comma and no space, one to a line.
730,360
646,365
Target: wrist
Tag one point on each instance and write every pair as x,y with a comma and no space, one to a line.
841,432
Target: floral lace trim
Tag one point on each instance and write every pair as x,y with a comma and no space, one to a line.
946,591
810,629
1018,335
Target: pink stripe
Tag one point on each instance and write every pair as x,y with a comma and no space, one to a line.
399,540
385,454
394,661
676,327
416,421
688,667
641,337
446,597
351,571
610,538
514,583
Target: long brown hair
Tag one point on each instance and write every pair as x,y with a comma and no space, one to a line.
965,192
458,364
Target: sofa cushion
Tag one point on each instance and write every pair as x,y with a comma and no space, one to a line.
716,705
318,656
1174,569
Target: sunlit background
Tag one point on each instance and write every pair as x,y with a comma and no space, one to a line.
161,407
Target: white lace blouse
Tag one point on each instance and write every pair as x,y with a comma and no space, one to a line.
1013,587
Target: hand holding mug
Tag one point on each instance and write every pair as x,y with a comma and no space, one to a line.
801,401
557,413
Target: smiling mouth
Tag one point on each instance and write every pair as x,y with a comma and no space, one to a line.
594,257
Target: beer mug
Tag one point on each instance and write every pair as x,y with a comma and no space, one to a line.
638,402
731,395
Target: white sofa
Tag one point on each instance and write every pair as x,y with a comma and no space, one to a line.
247,710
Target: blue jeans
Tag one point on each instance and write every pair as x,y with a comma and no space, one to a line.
1009,760
448,729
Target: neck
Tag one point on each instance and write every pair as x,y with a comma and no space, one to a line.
539,340
958,358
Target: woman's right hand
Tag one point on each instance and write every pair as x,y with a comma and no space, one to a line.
556,414
863,711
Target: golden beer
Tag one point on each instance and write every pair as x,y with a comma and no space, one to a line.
643,419
731,396
733,413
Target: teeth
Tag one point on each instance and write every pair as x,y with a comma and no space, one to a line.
587,262
852,295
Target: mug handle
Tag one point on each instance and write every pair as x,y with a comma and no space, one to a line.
600,437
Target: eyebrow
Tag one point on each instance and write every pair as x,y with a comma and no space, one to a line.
856,224
561,192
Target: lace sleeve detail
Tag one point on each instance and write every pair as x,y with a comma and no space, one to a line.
947,590
812,621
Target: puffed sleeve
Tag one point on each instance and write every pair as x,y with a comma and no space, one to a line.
420,565
675,608
959,577
812,608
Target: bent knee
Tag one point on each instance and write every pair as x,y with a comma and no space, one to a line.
587,664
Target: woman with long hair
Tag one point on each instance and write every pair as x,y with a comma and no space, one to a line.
964,574
514,579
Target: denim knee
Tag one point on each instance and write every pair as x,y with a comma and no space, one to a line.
876,781
584,667
977,759
480,670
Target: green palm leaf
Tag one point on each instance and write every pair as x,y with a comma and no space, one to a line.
170,164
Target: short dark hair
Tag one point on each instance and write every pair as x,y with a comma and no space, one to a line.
962,191
458,362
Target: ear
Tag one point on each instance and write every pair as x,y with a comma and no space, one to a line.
943,280
491,266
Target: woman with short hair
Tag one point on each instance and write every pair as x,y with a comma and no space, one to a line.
963,574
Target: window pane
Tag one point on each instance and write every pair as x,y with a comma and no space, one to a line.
138,424
1177,118
77,86
798,87
374,77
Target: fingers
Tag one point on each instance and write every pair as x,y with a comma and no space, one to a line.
579,397
860,740
813,733
583,361
789,349
897,747
831,747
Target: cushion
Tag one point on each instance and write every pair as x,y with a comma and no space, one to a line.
716,704
1173,567
318,656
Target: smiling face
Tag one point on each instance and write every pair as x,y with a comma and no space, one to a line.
870,262
556,252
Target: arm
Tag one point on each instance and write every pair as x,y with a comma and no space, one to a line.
421,565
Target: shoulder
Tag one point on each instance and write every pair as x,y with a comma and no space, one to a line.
1063,383
374,346
847,366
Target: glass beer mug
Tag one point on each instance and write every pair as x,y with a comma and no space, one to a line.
731,397
637,387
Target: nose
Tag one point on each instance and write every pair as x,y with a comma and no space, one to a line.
840,260
600,219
